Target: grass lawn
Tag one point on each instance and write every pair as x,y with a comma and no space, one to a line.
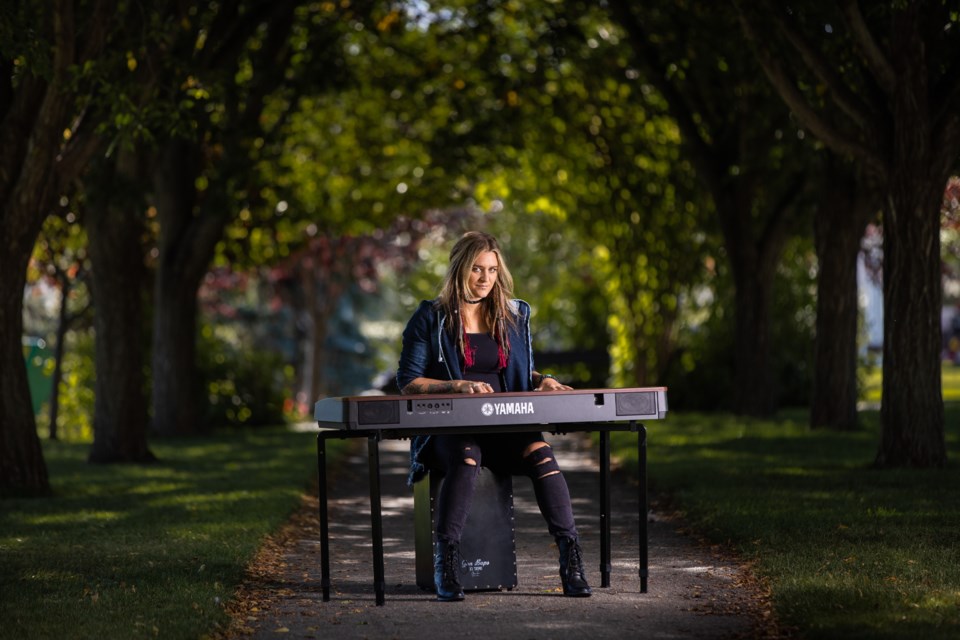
950,377
146,551
848,551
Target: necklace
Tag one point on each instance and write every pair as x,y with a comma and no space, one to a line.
477,301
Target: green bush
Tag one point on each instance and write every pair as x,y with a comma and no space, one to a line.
702,377
244,385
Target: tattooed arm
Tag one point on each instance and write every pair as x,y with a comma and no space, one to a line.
429,385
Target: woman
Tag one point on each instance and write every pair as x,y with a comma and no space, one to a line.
475,338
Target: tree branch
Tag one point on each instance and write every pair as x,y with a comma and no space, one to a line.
36,171
878,64
64,39
76,154
797,103
845,99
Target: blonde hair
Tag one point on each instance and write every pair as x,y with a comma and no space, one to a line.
496,308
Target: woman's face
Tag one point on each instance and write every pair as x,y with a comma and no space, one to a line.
483,275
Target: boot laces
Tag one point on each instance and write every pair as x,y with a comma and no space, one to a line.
575,558
451,563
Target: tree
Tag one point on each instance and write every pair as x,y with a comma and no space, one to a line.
606,162
744,151
842,213
114,219
188,133
883,88
45,49
203,178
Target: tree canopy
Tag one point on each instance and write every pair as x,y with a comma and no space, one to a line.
646,179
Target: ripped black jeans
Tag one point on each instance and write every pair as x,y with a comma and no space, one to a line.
459,458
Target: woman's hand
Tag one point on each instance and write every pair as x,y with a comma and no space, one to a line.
549,383
469,386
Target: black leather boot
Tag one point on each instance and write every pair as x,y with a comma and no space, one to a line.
572,576
446,571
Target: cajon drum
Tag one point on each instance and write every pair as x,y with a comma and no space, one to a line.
488,548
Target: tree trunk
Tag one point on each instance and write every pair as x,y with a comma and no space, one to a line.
176,396
37,160
176,408
838,229
755,391
318,300
118,277
27,182
188,237
22,467
63,323
912,409
753,256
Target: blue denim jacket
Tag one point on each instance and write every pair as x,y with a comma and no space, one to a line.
430,352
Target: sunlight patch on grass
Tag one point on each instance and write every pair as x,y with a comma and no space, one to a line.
219,500
949,378
73,517
951,382
158,487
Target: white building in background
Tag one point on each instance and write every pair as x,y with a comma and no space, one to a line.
871,305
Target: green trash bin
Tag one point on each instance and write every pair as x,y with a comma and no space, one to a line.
36,353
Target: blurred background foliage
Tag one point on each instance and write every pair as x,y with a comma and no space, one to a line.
413,122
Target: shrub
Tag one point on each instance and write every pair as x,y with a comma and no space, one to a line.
244,385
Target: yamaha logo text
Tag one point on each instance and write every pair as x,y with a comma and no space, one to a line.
507,408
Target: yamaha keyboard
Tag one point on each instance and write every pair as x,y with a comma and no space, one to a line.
399,417
418,412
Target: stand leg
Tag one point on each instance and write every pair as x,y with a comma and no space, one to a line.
644,506
376,518
605,565
324,518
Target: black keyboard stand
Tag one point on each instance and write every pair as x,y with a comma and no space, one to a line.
376,516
